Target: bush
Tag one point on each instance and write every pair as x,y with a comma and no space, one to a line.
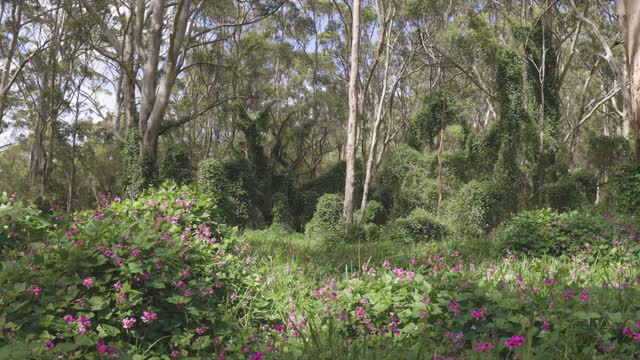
373,232
546,231
419,226
135,279
375,213
356,233
398,164
232,186
625,189
331,182
280,211
176,165
571,191
327,223
479,206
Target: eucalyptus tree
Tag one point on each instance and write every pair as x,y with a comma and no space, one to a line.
161,35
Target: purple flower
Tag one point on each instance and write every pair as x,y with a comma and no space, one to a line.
514,342
201,330
49,345
69,319
479,314
128,323
88,282
149,316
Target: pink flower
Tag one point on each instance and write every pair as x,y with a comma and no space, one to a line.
88,282
69,319
256,356
101,347
514,342
454,306
187,293
84,321
201,330
548,281
234,296
149,316
479,314
49,345
36,290
181,284
128,323
484,347
135,253
386,264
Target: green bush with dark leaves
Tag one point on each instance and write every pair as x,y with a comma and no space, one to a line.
231,185
327,223
152,277
572,191
418,226
547,231
625,189
479,206
176,165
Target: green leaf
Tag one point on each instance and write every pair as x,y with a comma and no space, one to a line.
96,303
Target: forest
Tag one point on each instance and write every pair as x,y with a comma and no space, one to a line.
319,179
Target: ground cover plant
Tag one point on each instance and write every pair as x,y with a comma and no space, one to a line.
157,277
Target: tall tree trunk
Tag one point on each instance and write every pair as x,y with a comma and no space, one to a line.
5,82
629,18
352,125
440,149
374,134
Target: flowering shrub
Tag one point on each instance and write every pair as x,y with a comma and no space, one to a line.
155,277
138,277
546,231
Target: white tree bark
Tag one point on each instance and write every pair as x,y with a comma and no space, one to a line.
629,18
349,187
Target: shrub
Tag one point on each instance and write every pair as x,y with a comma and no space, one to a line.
136,279
375,213
21,225
331,182
625,189
588,184
479,206
231,184
356,233
418,226
546,231
397,165
373,232
280,211
176,165
327,223
564,195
